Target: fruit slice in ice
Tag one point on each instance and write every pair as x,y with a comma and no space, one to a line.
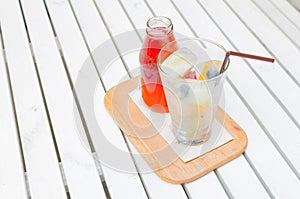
180,63
190,75
210,69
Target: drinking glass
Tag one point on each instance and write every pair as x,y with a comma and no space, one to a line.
192,85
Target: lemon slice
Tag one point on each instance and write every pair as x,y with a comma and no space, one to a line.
210,64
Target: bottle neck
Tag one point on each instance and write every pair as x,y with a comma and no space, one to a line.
159,26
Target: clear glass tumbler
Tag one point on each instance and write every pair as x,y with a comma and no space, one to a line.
192,85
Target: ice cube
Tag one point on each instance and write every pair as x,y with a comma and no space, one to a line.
180,62
200,94
211,73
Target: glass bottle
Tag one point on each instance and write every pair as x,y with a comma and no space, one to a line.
159,32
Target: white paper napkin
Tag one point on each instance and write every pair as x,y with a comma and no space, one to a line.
162,123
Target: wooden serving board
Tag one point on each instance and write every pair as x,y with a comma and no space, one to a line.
156,151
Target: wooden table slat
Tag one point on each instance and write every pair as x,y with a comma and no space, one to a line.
206,187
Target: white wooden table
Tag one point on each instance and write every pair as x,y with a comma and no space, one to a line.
44,44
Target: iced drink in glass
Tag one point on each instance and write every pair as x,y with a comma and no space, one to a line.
193,86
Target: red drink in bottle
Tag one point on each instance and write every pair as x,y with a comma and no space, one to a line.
159,32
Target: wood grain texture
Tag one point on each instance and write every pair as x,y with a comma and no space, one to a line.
156,151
